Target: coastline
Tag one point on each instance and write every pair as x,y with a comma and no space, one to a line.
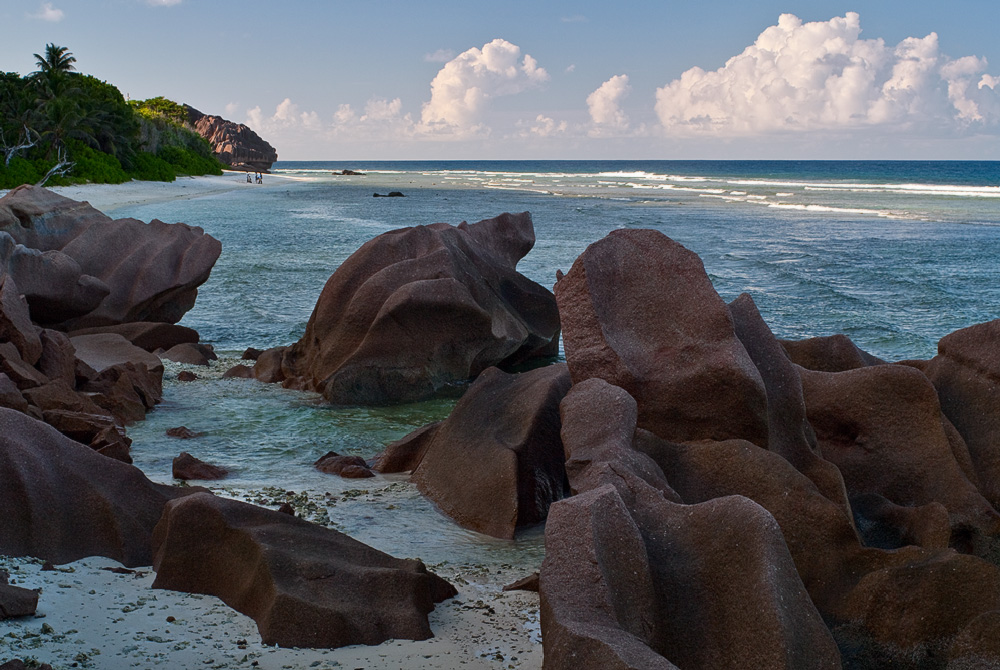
109,197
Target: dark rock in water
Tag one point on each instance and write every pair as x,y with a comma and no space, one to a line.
286,508
304,585
238,372
966,375
496,463
268,367
147,335
186,376
390,194
251,354
182,433
152,271
234,144
418,309
881,426
186,466
639,311
45,477
350,173
620,554
350,467
16,602
835,353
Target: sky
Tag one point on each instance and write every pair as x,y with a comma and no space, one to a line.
470,79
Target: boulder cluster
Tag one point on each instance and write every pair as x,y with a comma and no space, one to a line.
88,306
719,498
84,300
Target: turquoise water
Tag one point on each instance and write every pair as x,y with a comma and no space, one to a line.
895,255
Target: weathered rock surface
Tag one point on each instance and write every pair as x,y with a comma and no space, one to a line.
966,375
185,466
233,143
62,501
304,585
881,426
418,309
496,462
152,271
189,353
634,580
789,432
639,311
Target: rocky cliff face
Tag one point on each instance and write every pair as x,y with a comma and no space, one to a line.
233,143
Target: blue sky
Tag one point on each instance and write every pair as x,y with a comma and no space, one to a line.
507,80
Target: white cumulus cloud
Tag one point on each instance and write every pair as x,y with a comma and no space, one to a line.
823,76
604,104
48,13
462,89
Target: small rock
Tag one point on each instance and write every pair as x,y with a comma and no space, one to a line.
186,466
286,508
350,467
182,433
251,354
186,376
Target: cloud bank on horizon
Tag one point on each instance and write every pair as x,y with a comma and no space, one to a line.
796,80
820,76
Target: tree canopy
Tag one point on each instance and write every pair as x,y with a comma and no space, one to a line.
60,125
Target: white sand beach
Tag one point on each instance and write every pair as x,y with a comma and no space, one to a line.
92,617
109,197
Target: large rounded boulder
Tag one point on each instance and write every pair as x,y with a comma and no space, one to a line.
639,311
417,309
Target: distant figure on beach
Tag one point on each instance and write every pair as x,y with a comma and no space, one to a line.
260,178
248,178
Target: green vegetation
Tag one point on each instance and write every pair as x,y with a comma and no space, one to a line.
58,126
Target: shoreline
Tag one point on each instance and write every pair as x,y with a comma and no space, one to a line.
109,197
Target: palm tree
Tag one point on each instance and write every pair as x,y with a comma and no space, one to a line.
56,59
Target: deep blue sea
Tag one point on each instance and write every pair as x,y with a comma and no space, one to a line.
894,254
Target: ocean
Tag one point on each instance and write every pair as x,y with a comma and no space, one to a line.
894,254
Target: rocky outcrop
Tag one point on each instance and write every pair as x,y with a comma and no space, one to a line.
234,144
419,309
62,501
78,268
893,572
496,463
304,585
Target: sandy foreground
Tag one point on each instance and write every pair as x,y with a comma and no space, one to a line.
93,614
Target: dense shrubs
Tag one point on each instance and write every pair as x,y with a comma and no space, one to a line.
87,122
